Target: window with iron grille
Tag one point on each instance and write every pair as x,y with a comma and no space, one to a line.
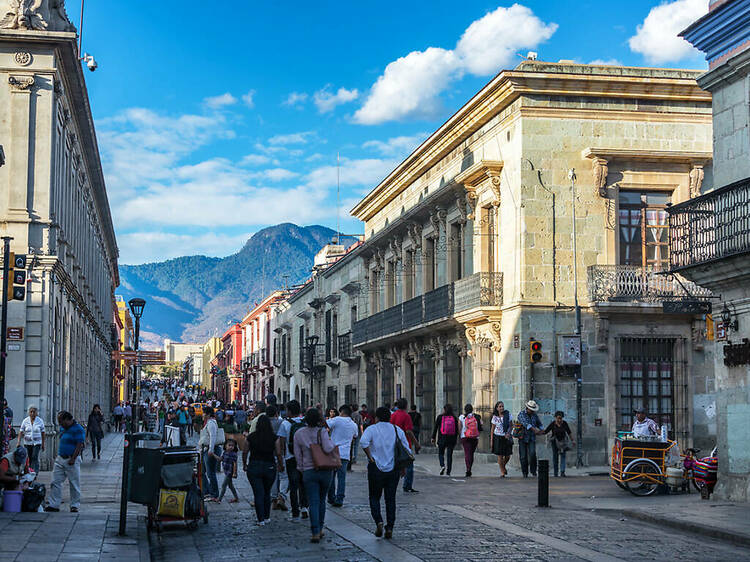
644,226
646,380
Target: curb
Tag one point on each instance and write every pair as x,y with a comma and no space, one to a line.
682,525
144,540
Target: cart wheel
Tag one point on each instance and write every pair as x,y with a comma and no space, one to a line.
642,485
621,485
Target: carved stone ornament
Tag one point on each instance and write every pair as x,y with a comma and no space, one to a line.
22,58
495,331
379,259
471,201
696,180
461,206
436,218
21,83
396,246
495,186
600,168
38,15
471,335
602,333
415,234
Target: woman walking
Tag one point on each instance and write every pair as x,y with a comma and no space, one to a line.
31,433
316,482
95,432
471,427
446,429
559,443
502,440
265,459
211,449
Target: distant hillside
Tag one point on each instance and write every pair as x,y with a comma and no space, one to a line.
194,297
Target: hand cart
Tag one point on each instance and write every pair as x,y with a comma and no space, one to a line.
639,465
177,469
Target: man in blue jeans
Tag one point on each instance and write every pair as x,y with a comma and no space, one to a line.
527,442
343,432
402,419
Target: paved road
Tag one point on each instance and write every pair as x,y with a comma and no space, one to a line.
451,519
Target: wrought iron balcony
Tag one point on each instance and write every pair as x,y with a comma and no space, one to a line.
711,227
346,352
423,310
478,291
630,283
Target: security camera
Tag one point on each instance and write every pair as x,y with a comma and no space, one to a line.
90,62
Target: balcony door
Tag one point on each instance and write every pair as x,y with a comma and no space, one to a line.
643,226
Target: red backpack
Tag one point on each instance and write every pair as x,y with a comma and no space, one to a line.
448,425
472,427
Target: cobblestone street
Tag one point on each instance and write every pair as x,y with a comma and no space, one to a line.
483,518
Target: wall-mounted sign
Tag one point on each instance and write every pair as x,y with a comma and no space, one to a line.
15,334
569,350
686,307
737,353
721,331
516,341
14,347
598,422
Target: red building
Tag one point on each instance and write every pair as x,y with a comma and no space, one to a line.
231,364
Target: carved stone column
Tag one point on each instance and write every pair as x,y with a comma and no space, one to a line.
19,147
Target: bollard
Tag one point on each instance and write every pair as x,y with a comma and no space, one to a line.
543,481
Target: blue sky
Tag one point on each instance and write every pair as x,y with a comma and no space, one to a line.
216,119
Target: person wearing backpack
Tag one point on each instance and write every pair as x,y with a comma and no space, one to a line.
287,429
471,427
502,440
446,430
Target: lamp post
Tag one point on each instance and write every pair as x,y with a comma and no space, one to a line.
579,370
136,308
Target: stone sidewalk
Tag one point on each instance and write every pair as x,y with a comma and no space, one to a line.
90,534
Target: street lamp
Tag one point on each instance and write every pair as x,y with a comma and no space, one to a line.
136,308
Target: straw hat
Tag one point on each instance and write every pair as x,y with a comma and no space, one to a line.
533,406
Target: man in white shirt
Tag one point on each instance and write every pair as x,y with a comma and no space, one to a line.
31,433
343,432
379,442
643,426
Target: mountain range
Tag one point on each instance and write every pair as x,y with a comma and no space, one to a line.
192,298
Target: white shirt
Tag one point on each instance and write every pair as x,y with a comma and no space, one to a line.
343,431
32,433
497,422
645,428
381,439
284,430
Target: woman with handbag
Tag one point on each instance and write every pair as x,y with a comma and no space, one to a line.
562,440
502,440
317,458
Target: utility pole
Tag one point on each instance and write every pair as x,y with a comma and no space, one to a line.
4,335
579,370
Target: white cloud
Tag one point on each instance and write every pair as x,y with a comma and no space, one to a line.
490,43
278,174
295,99
291,138
396,146
255,160
248,100
656,38
411,85
217,102
144,247
326,101
366,172
606,62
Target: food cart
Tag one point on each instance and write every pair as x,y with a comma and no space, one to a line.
639,465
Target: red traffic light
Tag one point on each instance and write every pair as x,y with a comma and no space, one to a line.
535,351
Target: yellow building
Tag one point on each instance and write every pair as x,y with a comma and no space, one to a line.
210,350
125,335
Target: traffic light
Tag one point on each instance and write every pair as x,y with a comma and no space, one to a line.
17,277
535,351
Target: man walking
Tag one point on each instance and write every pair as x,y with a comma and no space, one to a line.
281,484
357,419
379,443
402,419
67,463
119,412
287,429
416,421
343,433
532,426
128,411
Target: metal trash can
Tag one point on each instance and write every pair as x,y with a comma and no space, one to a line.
147,462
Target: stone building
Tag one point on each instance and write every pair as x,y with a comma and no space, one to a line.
470,252
125,340
710,242
54,205
210,350
176,352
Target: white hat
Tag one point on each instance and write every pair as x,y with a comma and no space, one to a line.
533,406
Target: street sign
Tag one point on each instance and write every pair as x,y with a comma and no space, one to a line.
721,331
569,350
686,307
15,334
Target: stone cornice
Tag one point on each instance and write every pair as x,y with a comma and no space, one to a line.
679,156
559,80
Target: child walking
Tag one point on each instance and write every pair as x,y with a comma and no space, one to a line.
229,466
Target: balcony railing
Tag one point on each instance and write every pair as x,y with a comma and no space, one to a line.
630,283
479,290
346,352
425,309
710,227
